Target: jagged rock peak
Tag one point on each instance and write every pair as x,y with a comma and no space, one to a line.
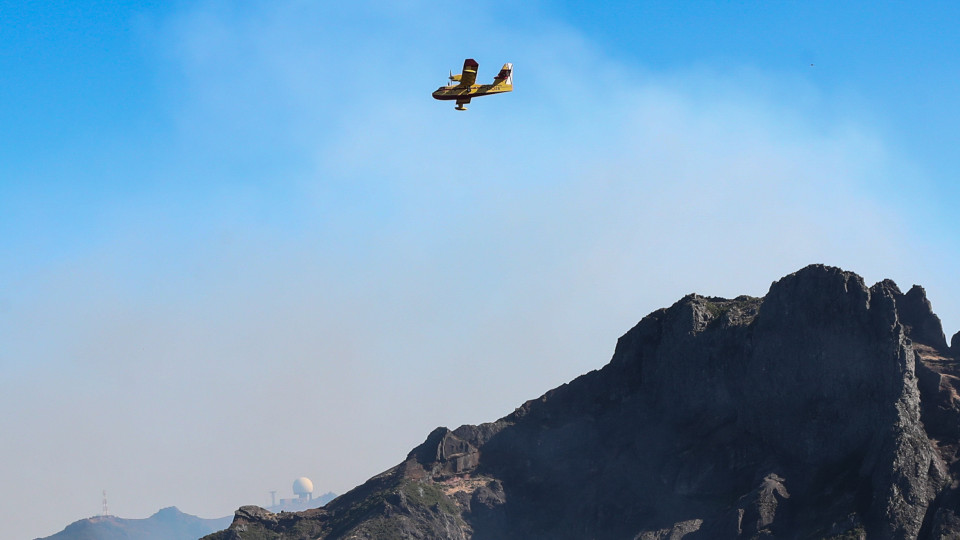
825,288
444,453
920,322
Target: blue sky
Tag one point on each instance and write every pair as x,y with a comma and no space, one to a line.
243,245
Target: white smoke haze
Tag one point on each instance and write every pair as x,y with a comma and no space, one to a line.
370,264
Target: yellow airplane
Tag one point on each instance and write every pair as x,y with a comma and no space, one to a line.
466,87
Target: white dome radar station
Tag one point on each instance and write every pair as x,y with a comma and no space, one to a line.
303,488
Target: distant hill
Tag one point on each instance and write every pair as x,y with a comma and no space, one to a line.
167,524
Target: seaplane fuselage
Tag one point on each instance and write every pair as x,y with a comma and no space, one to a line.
463,87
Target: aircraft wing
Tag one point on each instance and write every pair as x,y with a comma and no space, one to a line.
469,74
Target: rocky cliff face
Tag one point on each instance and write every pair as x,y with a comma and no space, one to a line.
826,409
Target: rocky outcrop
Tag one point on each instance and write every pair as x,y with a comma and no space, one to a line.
826,409
446,454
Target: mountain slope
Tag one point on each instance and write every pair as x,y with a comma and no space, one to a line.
826,409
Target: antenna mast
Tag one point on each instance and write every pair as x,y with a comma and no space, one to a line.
106,511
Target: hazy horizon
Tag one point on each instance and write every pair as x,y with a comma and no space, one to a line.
243,244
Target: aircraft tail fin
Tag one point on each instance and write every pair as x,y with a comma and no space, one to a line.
506,75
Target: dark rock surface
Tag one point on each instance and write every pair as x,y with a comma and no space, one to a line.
826,409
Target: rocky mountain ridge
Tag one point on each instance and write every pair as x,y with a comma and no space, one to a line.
826,409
